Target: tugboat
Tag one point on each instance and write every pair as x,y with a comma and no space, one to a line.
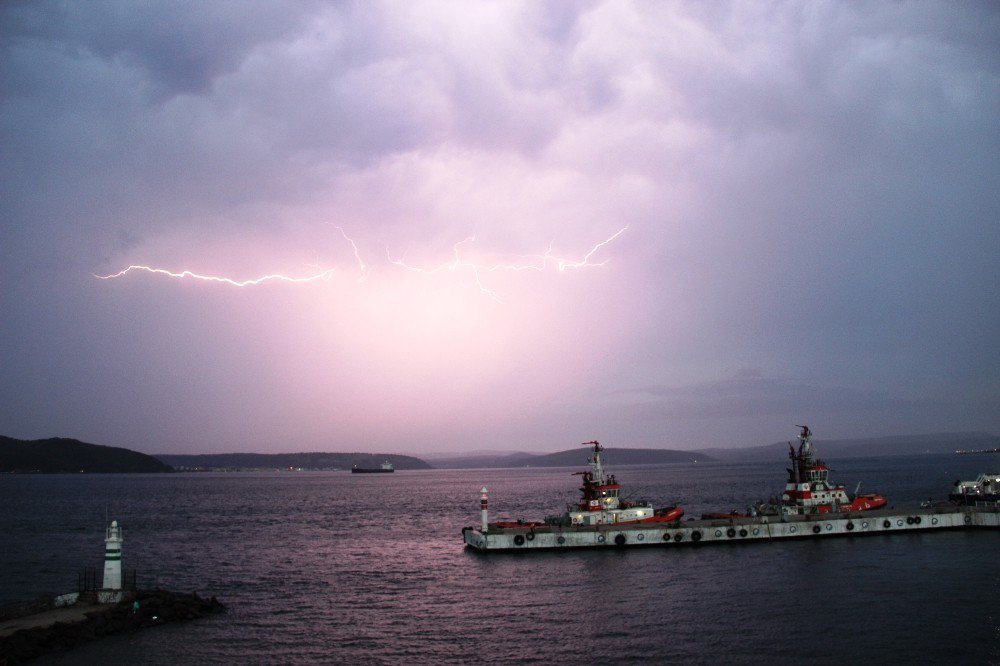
386,468
986,488
601,502
809,491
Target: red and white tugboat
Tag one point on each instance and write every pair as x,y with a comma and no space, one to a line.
601,502
809,490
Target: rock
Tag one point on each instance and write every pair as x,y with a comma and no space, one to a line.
31,643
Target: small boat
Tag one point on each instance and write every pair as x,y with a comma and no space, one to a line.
385,468
719,515
986,488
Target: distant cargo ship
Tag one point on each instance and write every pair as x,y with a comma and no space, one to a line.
386,468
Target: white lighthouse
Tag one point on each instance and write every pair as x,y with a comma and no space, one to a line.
483,506
113,557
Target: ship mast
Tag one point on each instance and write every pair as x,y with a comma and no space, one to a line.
595,462
805,448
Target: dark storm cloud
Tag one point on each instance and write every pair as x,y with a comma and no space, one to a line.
810,190
180,46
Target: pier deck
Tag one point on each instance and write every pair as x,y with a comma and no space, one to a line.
731,530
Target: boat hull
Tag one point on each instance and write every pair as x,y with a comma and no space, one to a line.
735,530
360,470
970,499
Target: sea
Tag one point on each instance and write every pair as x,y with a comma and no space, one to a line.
335,568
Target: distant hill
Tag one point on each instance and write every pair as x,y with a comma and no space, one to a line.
827,449
312,461
574,457
899,445
60,455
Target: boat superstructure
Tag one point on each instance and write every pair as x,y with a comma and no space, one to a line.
985,489
809,489
601,502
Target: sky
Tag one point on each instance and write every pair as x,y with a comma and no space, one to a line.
465,226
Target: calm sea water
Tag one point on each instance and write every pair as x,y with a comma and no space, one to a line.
335,568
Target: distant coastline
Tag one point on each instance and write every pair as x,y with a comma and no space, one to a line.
870,447
314,461
65,456
898,445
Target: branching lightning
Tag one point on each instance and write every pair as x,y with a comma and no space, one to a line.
541,262
537,262
563,264
453,266
357,255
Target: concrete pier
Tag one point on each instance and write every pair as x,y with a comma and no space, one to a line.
883,522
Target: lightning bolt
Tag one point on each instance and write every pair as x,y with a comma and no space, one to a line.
539,262
563,264
324,275
357,255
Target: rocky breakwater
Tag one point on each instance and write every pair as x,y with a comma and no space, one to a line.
60,629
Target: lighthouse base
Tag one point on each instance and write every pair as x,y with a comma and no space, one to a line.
114,596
